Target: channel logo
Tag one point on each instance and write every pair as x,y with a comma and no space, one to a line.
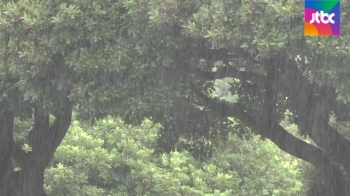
322,18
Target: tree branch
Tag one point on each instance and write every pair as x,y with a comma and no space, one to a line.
44,139
61,125
313,105
282,138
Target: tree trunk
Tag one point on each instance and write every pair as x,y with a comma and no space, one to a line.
44,140
6,149
29,182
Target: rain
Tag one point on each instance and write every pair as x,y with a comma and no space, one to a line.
174,97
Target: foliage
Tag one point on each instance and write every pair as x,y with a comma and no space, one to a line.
112,158
157,59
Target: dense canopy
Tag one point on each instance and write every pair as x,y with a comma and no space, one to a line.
164,60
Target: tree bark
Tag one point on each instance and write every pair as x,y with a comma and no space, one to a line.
29,182
44,140
336,181
6,149
312,103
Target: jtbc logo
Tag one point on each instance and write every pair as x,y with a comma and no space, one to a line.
317,16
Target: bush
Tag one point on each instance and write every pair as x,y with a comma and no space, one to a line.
112,158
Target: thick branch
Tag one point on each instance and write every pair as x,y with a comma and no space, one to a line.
313,105
44,139
60,126
326,137
270,98
282,138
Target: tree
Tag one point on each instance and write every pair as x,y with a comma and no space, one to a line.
158,59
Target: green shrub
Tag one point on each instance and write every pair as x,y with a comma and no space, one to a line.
112,158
